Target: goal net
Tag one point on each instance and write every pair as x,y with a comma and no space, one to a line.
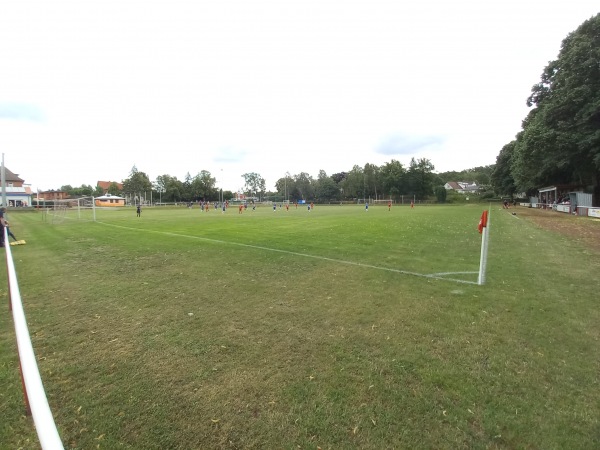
58,211
383,202
375,201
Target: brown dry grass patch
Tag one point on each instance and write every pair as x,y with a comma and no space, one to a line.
586,230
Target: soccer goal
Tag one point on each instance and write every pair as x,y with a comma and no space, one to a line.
383,202
375,201
70,209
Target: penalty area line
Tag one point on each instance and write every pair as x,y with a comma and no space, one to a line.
436,276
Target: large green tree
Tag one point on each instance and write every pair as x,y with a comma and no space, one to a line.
286,188
373,182
305,186
113,189
393,175
170,188
339,177
160,186
326,189
502,179
354,185
421,177
137,185
203,186
188,193
81,191
440,194
254,184
560,141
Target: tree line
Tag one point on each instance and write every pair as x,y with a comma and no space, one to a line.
390,180
559,143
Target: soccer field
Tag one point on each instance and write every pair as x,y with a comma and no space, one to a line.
335,328
424,241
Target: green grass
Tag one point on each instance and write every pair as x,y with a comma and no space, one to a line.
183,329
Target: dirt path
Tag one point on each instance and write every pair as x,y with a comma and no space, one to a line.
585,229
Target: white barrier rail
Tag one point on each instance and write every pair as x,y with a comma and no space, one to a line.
32,382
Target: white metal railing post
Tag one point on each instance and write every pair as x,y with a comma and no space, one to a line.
35,396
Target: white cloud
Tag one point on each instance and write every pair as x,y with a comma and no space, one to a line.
20,111
406,144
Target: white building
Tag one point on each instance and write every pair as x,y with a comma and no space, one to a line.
461,187
17,194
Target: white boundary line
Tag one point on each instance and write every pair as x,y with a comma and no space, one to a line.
437,276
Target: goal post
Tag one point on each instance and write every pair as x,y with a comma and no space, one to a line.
373,201
383,202
81,208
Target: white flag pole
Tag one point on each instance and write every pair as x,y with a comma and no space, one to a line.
484,251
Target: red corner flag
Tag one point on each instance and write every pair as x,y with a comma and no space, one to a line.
483,221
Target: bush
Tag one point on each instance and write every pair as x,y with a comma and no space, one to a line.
441,194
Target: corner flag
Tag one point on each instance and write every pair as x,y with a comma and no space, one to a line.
483,221
484,231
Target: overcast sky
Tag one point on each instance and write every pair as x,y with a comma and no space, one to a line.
88,89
